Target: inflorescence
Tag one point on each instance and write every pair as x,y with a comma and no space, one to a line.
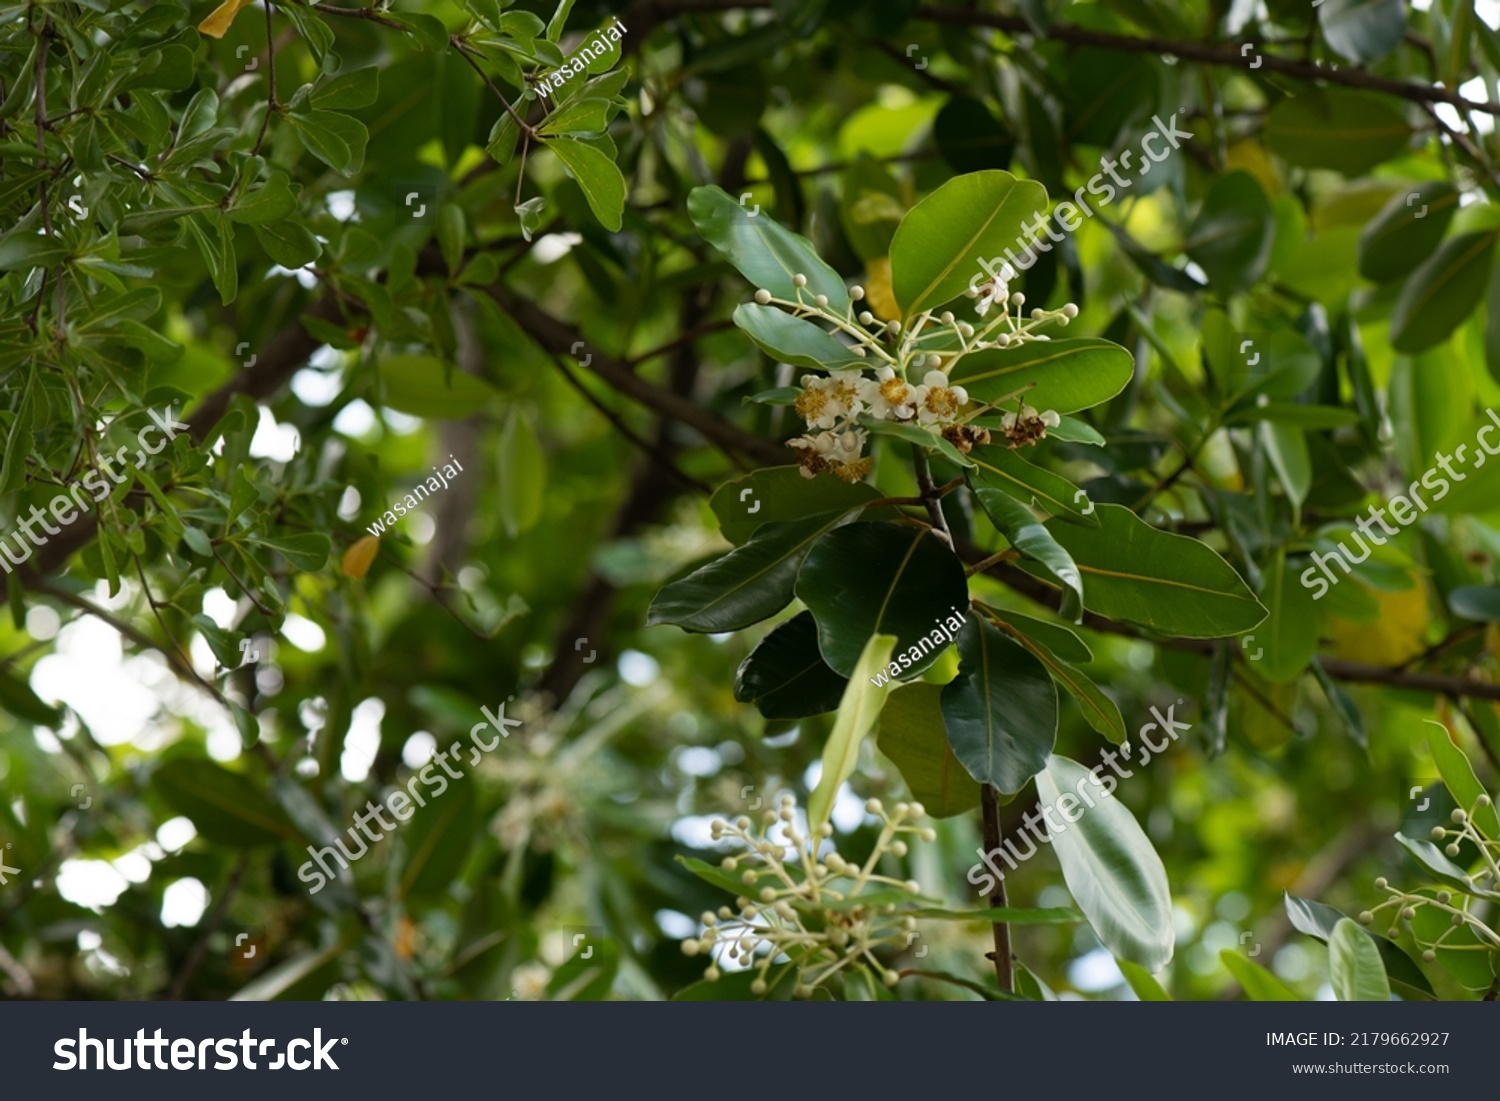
811,912
838,408
1407,904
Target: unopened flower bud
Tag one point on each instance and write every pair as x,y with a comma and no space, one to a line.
872,806
763,296
799,280
946,317
820,300
1458,817
1381,883
758,987
856,292
689,948
1070,311
1429,955
1365,917
1452,850
866,317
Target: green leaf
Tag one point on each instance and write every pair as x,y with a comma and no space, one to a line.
586,115
762,251
450,235
1481,602
22,435
1146,988
745,586
227,808
351,88
1169,583
794,340
600,178
523,474
1347,131
1317,920
1001,710
914,434
1442,292
1231,237
437,839
880,578
1260,985
938,245
1054,636
1026,533
1001,468
777,494
1363,30
786,677
424,386
857,713
305,972
1354,967
1111,869
1292,414
289,243
1063,375
1458,777
1099,711
1436,861
17,698
912,735
224,644
336,140
1289,636
1406,230
23,249
270,202
307,552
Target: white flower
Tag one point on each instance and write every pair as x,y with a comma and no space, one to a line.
940,402
889,397
996,290
824,401
1051,419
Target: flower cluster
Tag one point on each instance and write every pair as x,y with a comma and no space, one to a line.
840,409
810,913
1406,904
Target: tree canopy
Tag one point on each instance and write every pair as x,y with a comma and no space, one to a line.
721,500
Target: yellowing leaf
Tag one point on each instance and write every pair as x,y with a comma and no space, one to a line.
1253,158
1396,637
878,290
221,17
360,555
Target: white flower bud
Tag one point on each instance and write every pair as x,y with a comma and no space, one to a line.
1452,850
913,886
893,327
872,806
712,974
1365,917
758,987
866,317
799,280
729,863
946,317
928,834
1458,817
748,877
898,848
1018,299
1381,883
1070,311
965,330
742,822
820,301
1429,955
917,810
689,948
856,292
890,978
763,296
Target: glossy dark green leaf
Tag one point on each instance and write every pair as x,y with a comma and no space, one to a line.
306,551
351,88
937,248
1348,131
915,434
289,243
272,201
912,735
1317,920
1286,641
750,583
1169,583
1054,636
1110,868
1001,710
1063,375
764,252
794,340
786,677
1026,533
881,578
1231,237
226,807
1442,292
17,698
1435,861
1099,711
1363,30
1001,468
777,494
1406,230
336,139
